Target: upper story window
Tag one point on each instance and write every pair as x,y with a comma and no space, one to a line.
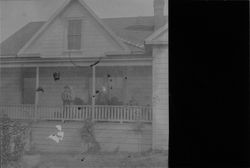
74,34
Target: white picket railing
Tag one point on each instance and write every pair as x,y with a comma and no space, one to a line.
79,112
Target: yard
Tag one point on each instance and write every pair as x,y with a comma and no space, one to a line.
99,160
33,158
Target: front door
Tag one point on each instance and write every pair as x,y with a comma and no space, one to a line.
29,91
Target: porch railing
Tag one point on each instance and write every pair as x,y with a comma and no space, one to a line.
79,112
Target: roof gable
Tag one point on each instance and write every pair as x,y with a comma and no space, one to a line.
121,27
60,11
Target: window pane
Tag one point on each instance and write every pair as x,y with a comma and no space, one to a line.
74,34
74,27
74,42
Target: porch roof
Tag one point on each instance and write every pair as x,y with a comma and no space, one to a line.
126,60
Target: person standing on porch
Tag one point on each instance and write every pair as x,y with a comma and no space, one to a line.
67,99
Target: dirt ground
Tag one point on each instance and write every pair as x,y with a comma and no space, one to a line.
102,160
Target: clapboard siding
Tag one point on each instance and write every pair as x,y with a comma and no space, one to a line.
10,86
97,38
111,136
51,42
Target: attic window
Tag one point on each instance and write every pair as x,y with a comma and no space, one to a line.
74,34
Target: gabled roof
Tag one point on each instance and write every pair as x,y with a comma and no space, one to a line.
130,31
122,27
59,11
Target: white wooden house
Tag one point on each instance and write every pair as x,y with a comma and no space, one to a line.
117,69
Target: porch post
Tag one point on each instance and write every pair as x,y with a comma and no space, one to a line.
93,91
160,124
37,93
158,42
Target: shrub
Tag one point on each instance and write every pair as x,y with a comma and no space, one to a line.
88,137
12,138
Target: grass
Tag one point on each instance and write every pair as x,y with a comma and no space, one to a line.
104,160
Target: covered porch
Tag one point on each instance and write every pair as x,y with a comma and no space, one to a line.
119,92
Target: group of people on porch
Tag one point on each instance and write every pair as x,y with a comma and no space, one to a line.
101,99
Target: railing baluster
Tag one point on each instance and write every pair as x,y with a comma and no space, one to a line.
123,109
112,112
119,113
98,113
84,111
87,112
106,113
127,113
130,112
102,113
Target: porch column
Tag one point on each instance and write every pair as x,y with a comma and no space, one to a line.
93,91
160,125
37,93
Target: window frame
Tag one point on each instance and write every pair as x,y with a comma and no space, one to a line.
67,33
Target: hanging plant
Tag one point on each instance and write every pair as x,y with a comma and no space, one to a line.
56,76
40,89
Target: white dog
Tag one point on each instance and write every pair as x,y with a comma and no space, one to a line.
58,136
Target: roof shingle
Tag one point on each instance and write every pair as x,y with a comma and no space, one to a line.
15,42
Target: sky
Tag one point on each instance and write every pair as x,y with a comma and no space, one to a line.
14,14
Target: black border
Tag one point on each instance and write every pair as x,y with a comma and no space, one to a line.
209,88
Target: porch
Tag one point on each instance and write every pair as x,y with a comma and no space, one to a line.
103,113
114,93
